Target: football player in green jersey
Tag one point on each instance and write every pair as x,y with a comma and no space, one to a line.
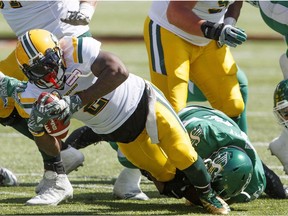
232,161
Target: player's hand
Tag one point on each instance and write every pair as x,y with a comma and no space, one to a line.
11,87
81,17
40,115
223,34
232,36
76,18
65,107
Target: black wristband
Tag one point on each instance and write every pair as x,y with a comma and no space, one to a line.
212,30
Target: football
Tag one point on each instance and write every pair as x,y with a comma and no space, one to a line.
55,127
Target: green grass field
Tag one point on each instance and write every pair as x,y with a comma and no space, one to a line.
93,183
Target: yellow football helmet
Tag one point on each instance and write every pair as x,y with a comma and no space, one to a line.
40,58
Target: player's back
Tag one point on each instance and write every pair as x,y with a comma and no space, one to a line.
25,15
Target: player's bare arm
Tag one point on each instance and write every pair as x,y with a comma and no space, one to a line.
110,71
233,12
179,13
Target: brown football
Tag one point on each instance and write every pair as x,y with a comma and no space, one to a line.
55,127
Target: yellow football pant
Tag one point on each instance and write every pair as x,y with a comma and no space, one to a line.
9,67
173,61
173,151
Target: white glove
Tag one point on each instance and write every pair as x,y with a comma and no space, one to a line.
232,36
81,17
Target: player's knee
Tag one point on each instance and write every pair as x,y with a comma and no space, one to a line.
233,108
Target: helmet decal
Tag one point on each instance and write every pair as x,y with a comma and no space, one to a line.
280,108
231,171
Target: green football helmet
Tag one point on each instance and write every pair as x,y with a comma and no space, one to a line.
231,171
280,108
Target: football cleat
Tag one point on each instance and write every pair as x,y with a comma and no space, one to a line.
286,192
7,178
214,204
274,187
71,158
56,188
279,148
127,185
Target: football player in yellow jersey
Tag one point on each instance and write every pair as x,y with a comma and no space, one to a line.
22,16
72,19
189,40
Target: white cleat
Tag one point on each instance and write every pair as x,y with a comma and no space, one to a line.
56,188
7,178
127,185
279,148
72,159
286,192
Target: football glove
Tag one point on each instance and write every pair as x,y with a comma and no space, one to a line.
64,108
224,34
40,115
81,17
10,87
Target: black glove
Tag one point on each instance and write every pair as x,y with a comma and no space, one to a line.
224,34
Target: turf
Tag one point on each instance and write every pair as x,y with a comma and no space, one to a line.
93,183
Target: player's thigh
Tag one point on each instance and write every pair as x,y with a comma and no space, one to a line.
215,73
148,156
173,137
9,67
168,62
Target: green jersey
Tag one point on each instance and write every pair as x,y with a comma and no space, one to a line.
210,130
274,13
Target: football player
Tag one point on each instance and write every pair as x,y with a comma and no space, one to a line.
189,40
210,131
97,89
274,14
22,16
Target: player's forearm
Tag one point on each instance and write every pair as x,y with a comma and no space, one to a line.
90,2
48,144
234,10
106,83
88,8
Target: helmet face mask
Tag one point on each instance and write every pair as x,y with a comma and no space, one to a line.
231,171
40,58
280,108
